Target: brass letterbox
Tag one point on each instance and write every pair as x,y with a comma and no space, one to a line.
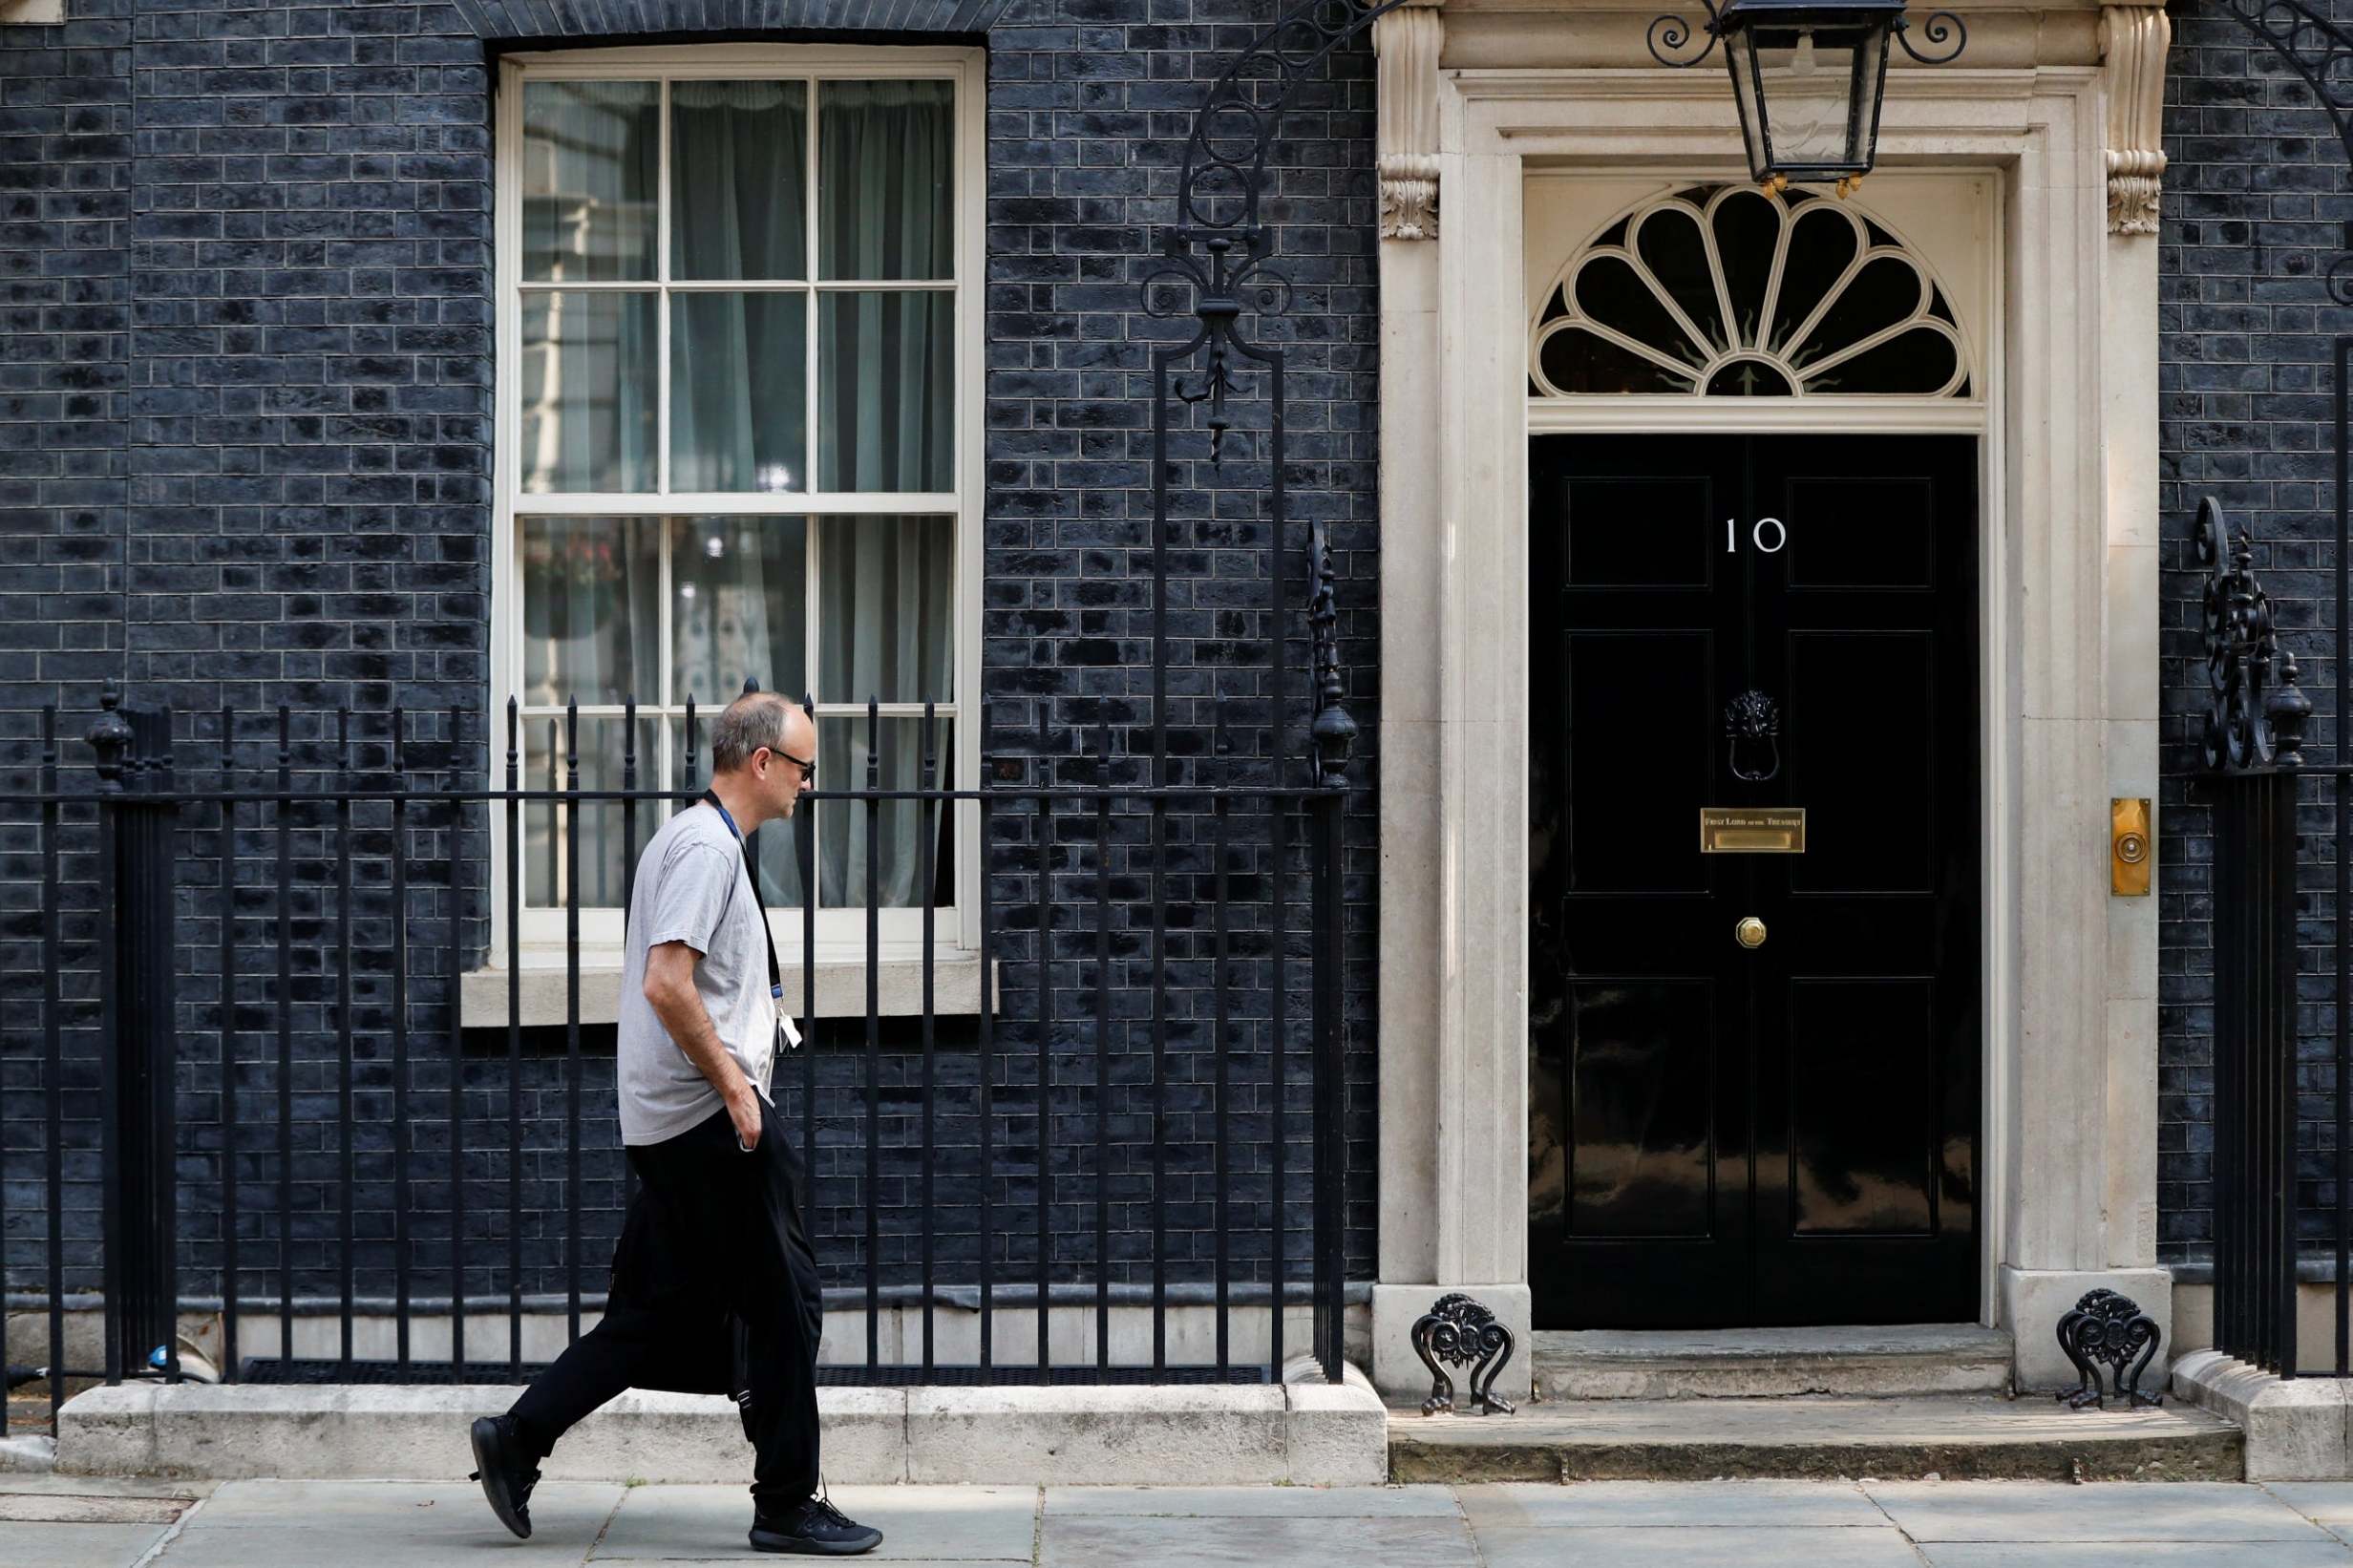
1752,830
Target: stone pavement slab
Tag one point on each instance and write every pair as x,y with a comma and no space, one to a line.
1702,1547
381,1524
2038,1511
1255,1502
933,1524
2137,1555
77,1545
419,1511
2331,1502
1708,1524
1637,1504
1196,1541
436,1506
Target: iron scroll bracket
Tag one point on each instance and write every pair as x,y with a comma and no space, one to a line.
2109,1328
1670,37
1459,1332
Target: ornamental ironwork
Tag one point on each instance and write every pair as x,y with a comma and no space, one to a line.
1670,36
2319,52
1216,264
2111,1329
2255,712
1460,1332
2313,46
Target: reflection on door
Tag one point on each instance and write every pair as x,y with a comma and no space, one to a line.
1776,1126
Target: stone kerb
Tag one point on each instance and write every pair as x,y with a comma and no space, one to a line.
2296,1429
1304,1432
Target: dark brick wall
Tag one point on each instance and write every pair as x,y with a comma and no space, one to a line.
245,450
65,320
2257,194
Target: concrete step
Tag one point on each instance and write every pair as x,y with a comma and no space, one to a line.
1955,1436
1768,1362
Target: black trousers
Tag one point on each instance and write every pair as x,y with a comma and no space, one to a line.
713,1233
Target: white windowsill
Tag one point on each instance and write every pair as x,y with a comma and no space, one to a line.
542,980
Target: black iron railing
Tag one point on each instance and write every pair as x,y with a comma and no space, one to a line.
2267,1146
2253,756
235,967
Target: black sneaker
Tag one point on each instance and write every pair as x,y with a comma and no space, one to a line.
816,1527
506,1476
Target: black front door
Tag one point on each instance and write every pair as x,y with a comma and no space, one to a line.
1781,1132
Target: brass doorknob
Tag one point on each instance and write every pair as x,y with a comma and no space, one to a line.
1749,932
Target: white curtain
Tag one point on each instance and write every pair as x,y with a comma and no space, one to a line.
588,392
738,360
738,610
885,418
886,631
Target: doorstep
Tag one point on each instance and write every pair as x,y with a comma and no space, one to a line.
1953,1437
1304,1431
1762,1363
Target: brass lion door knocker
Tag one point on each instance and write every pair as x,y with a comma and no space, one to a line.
1752,729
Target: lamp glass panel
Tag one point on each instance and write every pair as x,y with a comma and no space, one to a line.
1741,57
1818,87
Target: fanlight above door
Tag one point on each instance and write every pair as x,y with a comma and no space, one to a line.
1726,291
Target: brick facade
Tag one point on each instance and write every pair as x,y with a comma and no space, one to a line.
2257,193
247,369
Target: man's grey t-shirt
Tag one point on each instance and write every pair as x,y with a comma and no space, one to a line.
692,887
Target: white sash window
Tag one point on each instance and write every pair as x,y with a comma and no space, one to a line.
738,436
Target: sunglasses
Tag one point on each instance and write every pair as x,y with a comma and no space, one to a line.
808,770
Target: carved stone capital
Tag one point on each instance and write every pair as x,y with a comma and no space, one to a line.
1407,41
2133,39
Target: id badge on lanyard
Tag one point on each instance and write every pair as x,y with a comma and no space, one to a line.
785,1036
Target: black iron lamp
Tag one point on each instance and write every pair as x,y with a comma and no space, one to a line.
1807,76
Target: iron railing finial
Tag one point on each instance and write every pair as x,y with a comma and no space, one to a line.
109,736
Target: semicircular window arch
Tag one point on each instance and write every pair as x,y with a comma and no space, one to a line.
1726,291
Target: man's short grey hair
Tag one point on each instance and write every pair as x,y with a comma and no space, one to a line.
751,721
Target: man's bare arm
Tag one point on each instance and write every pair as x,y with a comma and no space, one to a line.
669,986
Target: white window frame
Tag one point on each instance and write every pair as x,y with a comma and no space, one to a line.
841,934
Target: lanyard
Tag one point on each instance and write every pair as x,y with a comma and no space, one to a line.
775,971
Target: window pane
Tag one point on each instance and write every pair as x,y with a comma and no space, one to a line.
738,363
737,606
588,391
603,824
885,188
738,155
886,391
843,825
774,845
886,623
589,156
588,623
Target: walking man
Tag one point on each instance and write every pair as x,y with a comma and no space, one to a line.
714,1284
